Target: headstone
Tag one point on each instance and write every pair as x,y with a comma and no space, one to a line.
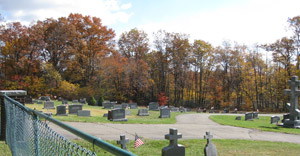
39,102
217,111
64,102
209,149
105,115
45,98
75,101
49,105
117,106
125,105
84,113
28,100
248,116
174,149
285,116
226,110
188,109
61,110
153,106
133,106
204,110
82,101
127,112
235,111
238,118
60,99
165,113
35,101
275,119
211,111
255,115
181,109
174,109
143,112
123,141
294,117
116,115
73,109
107,105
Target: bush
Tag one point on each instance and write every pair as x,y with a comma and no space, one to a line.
92,101
100,101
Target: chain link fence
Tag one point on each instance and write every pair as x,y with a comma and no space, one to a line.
26,135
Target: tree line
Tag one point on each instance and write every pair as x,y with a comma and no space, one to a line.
77,56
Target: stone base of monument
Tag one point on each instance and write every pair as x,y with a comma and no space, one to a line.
291,124
61,114
119,119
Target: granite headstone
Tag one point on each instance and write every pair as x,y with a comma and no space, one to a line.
174,149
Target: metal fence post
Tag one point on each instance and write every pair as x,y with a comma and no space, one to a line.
36,134
14,129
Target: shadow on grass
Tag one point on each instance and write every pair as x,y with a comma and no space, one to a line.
267,127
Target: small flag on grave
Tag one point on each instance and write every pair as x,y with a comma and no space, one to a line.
138,142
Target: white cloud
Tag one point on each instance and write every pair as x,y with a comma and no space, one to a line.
257,22
110,11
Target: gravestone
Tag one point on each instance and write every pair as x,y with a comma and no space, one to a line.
275,119
61,110
217,111
84,113
116,115
143,112
181,109
285,116
82,101
28,100
117,106
39,102
188,110
60,99
165,113
238,118
105,114
73,109
75,101
174,149
35,101
64,102
294,117
133,106
209,149
211,111
226,110
49,105
174,109
123,141
153,106
45,98
125,105
248,116
108,105
255,115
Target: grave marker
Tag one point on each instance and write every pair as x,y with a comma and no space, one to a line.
238,118
107,105
174,149
209,149
116,115
123,141
153,106
275,119
84,113
255,115
61,110
165,113
143,112
49,105
73,109
75,101
133,106
64,102
248,116
28,100
117,106
125,105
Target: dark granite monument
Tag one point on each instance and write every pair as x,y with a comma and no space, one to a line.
238,118
143,112
61,110
84,113
117,106
133,106
209,149
255,115
116,115
248,116
49,105
123,141
73,109
275,119
28,100
165,113
154,106
45,98
108,105
174,149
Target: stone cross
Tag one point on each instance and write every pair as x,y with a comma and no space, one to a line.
174,149
123,141
294,93
209,149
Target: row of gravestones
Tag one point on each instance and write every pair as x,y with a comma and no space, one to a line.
73,109
29,100
249,116
175,149
114,105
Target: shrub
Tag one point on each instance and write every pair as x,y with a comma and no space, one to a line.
92,101
100,101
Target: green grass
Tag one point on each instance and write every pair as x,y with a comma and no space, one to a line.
97,115
225,147
4,150
263,123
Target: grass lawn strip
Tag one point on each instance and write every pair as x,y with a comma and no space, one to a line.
263,123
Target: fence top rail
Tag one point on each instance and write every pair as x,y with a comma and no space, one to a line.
95,141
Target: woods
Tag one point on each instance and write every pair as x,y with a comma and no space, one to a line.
77,56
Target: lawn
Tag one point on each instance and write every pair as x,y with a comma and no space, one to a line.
263,123
97,115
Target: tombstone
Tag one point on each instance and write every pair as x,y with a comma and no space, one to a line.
125,105
133,106
116,115
39,102
64,102
75,101
238,118
61,110
45,98
211,111
174,109
226,110
107,105
209,149
84,113
204,110
217,111
82,101
294,117
181,109
275,119
153,106
123,141
117,106
255,115
127,112
28,100
49,105
174,149
105,115
248,116
165,113
60,99
285,116
73,109
188,110
143,112
235,111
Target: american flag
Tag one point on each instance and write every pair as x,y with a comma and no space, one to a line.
138,142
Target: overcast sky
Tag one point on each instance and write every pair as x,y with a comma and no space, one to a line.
244,21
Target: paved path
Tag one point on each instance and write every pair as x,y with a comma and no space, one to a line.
192,126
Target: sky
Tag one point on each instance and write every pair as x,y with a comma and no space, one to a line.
244,21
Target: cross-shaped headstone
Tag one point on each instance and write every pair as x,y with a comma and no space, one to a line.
209,149
174,149
123,141
294,94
